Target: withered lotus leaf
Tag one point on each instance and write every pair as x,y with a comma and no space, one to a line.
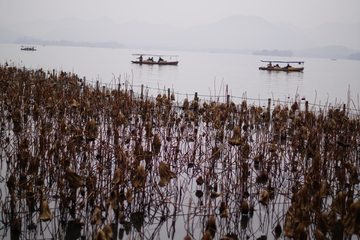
300,232
129,196
122,217
156,144
288,229
91,130
244,207
319,235
140,177
207,236
351,221
73,178
118,177
264,197
45,213
211,226
96,217
278,230
325,189
338,205
112,200
165,174
100,235
108,232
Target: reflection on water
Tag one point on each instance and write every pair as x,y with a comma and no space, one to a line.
84,162
323,81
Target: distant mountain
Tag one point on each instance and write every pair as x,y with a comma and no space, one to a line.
274,53
232,34
333,52
336,34
33,41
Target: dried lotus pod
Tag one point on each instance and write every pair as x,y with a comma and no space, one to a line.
158,100
303,132
45,213
120,119
107,93
165,174
74,104
199,180
236,138
214,194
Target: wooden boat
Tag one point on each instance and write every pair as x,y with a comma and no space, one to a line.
287,68
28,48
150,60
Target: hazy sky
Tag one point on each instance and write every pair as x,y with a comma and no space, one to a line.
183,13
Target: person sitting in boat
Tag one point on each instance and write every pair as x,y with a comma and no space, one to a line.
160,59
140,58
269,65
287,66
277,65
151,59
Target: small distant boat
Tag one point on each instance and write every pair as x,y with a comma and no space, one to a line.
150,60
274,66
28,48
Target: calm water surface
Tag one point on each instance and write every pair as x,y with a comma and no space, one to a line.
324,81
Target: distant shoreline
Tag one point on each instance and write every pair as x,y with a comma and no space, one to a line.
33,41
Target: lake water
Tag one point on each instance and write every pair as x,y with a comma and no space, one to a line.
323,82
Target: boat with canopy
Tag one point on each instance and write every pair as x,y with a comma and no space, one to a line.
28,48
150,59
274,66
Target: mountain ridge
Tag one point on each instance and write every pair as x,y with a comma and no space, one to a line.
235,33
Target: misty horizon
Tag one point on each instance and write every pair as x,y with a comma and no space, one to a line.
236,34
